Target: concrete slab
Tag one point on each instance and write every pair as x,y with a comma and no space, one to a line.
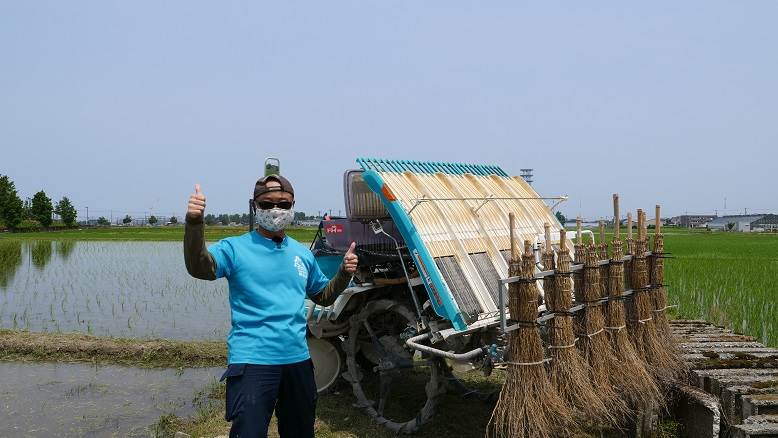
699,412
759,404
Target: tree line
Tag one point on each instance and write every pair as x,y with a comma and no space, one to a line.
13,211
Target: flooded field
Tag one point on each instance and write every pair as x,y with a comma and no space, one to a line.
77,400
125,289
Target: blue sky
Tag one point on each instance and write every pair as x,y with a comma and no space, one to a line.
125,105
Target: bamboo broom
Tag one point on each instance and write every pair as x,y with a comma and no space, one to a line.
593,342
528,406
662,363
570,373
638,389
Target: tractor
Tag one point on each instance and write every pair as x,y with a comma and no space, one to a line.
427,301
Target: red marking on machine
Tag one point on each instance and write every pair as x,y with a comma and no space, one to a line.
427,277
334,228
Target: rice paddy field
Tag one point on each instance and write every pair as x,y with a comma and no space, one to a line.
730,279
132,282
123,285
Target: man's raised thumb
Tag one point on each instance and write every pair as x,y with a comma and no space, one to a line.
351,248
197,189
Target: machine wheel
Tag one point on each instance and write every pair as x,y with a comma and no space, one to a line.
327,363
401,393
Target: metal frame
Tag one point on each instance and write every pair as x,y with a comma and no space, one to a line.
486,199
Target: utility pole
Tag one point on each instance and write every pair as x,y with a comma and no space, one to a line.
87,215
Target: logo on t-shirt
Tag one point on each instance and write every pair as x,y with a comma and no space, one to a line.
301,270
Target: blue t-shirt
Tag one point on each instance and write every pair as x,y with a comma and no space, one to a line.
268,284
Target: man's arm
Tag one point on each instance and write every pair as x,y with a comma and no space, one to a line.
330,292
199,262
340,281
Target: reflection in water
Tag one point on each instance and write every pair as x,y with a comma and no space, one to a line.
78,400
65,248
124,289
10,259
41,253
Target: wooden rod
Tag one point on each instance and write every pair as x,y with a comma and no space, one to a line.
547,228
641,224
616,221
511,233
562,240
658,221
578,230
629,225
602,231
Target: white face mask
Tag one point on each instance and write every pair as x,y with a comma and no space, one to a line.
275,219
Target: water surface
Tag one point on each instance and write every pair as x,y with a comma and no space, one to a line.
78,400
125,289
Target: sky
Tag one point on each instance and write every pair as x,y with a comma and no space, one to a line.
124,106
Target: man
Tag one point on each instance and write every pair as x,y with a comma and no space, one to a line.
269,276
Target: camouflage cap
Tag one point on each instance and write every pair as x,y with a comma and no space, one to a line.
261,186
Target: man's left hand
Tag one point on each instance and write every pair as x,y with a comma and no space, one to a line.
350,260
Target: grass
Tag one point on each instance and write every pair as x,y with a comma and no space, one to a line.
160,233
727,278
338,418
25,346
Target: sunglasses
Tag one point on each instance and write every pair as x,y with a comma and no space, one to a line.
267,205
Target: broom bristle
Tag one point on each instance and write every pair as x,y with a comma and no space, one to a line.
661,362
528,406
593,341
658,295
570,373
637,385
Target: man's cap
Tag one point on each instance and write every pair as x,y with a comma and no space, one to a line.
261,186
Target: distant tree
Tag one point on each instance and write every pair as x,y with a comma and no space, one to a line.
224,219
102,221
27,210
42,208
127,219
173,220
11,211
244,219
235,218
561,218
153,220
66,211
209,219
299,216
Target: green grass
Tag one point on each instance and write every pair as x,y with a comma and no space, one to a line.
727,278
160,233
730,279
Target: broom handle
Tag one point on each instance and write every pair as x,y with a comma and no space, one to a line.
511,224
629,225
640,228
547,228
578,230
562,241
602,232
616,221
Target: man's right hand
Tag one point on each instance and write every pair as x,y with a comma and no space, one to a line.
196,205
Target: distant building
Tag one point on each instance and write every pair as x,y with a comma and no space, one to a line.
745,223
692,220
